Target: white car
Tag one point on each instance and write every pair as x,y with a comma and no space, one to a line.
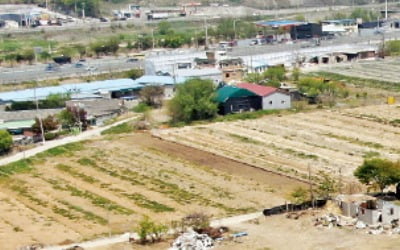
91,68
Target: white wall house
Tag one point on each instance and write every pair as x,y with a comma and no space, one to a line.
272,98
276,100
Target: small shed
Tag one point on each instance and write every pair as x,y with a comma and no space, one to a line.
232,99
272,98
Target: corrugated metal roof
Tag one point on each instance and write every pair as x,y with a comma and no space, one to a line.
198,72
258,89
89,88
226,92
159,80
279,23
17,124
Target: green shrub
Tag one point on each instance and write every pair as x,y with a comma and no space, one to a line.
50,136
141,108
122,128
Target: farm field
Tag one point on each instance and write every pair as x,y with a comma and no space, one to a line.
382,70
327,141
85,190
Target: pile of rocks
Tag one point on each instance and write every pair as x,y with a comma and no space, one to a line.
331,220
192,241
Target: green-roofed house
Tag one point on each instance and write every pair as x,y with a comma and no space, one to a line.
232,99
17,127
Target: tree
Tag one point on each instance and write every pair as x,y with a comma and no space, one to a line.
149,231
49,123
378,172
254,78
5,141
326,185
73,116
152,95
134,73
299,195
194,100
196,221
164,28
296,74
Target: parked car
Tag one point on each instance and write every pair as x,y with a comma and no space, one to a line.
52,67
132,59
91,68
79,65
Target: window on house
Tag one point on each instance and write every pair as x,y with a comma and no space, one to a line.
270,102
391,211
362,211
227,75
282,102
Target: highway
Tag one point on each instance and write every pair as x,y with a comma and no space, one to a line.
113,64
38,71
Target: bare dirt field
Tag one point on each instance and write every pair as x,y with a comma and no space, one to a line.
85,190
330,140
280,232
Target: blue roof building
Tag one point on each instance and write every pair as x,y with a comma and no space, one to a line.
90,89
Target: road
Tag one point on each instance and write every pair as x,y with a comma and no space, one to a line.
51,144
103,242
113,64
210,13
91,67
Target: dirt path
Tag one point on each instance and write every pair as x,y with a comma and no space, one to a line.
227,165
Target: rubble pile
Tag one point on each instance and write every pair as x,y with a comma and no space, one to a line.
331,220
192,241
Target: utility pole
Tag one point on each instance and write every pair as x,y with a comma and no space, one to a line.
234,28
340,180
206,28
83,10
310,183
152,35
386,10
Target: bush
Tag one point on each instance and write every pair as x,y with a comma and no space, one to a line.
50,136
5,141
141,108
149,231
119,129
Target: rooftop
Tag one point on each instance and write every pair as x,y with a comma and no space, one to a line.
89,88
226,92
17,124
279,23
257,89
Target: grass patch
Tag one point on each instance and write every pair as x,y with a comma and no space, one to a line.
95,199
74,173
141,108
244,139
360,82
66,149
356,141
246,115
21,166
86,214
142,201
22,190
371,154
122,128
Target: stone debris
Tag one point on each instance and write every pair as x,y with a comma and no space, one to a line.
360,225
192,241
329,221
